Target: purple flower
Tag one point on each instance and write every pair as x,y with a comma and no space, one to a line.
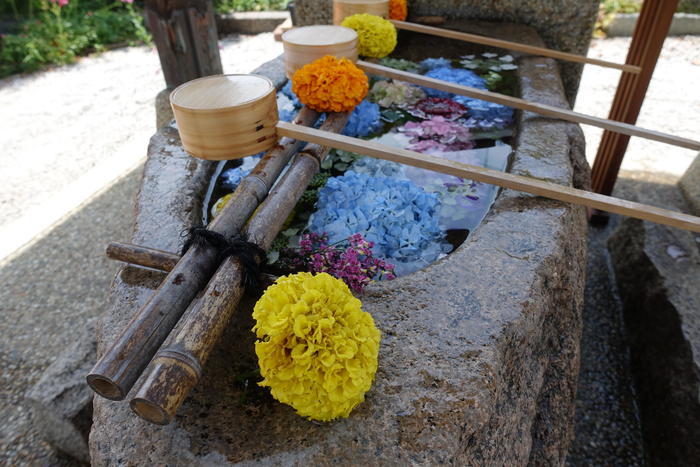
350,260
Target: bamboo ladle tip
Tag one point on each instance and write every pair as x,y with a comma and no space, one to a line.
105,387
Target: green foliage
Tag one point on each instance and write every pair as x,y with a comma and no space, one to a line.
338,161
689,6
621,6
400,64
228,6
59,34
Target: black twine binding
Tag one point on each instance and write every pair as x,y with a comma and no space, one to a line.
250,255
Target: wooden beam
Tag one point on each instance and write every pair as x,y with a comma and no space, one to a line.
184,32
647,41
522,104
494,177
502,44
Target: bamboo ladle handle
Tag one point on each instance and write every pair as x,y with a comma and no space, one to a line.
502,44
522,104
494,177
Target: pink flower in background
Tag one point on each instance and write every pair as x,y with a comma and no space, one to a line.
437,133
60,3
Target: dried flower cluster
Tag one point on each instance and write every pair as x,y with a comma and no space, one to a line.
395,94
352,260
330,84
377,36
317,349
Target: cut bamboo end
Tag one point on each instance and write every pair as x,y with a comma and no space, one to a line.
105,387
226,117
148,257
165,389
305,44
344,8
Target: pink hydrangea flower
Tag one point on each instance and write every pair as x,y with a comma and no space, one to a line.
438,133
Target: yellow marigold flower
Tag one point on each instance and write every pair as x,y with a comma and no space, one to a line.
330,84
317,349
398,10
377,36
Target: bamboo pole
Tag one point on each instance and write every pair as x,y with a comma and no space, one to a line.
118,369
494,177
142,256
158,259
522,104
177,366
502,44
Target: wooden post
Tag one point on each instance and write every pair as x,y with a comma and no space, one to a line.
184,32
648,39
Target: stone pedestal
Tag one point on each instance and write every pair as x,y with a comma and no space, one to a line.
164,113
61,401
689,185
658,275
479,358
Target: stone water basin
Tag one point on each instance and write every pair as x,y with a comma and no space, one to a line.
479,355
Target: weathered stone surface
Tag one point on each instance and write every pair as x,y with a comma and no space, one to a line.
479,357
689,185
564,25
250,22
164,113
658,275
61,400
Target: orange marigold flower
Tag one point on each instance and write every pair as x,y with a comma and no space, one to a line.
330,84
398,10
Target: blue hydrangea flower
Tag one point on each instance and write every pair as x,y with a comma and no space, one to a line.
378,168
231,178
285,108
486,115
364,120
432,63
287,91
454,75
400,218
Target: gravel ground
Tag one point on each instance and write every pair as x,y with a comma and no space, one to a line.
82,125
672,104
607,425
86,125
